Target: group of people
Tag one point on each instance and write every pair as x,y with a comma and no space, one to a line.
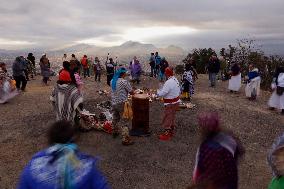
158,66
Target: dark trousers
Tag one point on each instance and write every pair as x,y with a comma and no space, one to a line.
45,79
98,75
20,80
152,71
109,78
86,72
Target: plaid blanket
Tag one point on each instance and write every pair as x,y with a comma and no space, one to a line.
66,99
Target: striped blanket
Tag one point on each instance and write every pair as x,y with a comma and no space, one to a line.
66,99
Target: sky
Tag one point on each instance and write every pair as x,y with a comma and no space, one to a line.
185,23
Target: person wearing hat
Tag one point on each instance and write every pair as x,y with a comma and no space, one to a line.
217,156
120,90
66,97
170,93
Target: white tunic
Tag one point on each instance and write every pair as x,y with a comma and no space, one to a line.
254,84
170,90
235,82
275,100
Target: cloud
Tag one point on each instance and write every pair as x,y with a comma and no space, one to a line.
57,23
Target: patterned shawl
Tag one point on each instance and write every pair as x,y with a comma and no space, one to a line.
66,99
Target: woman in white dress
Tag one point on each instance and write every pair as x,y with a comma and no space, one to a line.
277,98
236,78
253,83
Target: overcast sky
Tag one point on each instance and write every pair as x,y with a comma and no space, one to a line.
186,23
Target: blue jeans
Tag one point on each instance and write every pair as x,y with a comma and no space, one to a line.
212,78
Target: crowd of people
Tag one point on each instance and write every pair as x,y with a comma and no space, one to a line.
62,165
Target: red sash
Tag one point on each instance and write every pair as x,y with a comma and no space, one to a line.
173,100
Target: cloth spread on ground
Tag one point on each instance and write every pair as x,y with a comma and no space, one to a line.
62,166
66,100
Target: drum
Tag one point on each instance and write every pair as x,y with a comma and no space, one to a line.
140,121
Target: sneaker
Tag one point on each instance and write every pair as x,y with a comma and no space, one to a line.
167,135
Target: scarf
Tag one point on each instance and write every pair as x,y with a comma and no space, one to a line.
66,98
65,155
115,78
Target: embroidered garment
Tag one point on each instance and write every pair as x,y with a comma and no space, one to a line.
187,82
66,100
62,166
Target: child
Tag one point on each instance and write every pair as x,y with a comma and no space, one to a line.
188,78
79,82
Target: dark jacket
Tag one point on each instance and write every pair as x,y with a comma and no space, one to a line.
214,66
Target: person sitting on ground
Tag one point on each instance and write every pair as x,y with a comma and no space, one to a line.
170,93
62,165
135,69
66,97
277,98
217,156
188,82
120,90
235,82
19,74
252,89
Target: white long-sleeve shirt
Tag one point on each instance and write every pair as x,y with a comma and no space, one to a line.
170,90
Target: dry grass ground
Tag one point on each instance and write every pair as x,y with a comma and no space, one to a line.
149,163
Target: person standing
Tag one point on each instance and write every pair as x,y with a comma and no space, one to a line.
213,69
164,65
98,69
85,65
217,157
45,69
170,93
152,64
188,82
19,74
31,58
120,90
277,98
157,64
252,89
135,69
74,62
62,165
236,78
64,58
109,70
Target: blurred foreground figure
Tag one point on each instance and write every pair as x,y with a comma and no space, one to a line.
216,158
275,160
62,165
